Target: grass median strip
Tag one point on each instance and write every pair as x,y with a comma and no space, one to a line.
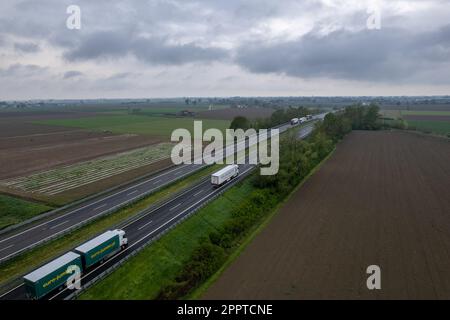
26,262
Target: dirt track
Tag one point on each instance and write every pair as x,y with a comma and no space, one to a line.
383,198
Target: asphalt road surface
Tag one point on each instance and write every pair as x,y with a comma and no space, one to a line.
144,228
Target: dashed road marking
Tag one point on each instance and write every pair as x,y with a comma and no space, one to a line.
59,224
175,207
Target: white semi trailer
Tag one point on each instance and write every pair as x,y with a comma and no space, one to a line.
224,175
294,121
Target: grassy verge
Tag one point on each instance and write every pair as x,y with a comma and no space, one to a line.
14,210
26,262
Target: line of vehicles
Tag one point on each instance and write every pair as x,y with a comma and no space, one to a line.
296,121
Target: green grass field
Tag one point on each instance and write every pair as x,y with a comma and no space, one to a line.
440,127
145,125
146,273
15,210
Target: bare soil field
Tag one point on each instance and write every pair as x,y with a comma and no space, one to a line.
26,147
230,113
381,199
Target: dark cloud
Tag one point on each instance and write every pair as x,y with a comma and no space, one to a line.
72,74
26,47
109,44
386,54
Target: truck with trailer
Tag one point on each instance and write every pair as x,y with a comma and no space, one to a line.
224,175
294,121
54,275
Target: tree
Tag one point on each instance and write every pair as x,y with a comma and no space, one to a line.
240,122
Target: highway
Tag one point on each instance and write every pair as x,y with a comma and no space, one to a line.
16,242
148,225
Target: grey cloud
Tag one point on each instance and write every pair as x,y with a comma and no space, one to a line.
387,54
72,74
22,70
26,47
109,44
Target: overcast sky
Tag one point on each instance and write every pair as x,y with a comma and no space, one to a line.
175,48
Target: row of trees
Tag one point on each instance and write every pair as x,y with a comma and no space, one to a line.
358,117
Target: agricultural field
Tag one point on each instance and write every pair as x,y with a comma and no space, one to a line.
14,210
26,147
428,121
57,156
155,127
65,178
382,199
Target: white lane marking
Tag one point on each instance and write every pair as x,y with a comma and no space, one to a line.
157,181
133,192
100,206
175,207
93,203
198,192
13,289
148,235
59,224
142,227
3,249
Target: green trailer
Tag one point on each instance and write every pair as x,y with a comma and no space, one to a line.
51,276
101,247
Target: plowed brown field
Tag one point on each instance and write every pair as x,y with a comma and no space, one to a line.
383,198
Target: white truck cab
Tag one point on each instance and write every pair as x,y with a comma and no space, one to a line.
122,238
